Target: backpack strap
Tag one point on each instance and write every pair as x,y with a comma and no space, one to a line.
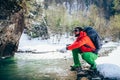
93,50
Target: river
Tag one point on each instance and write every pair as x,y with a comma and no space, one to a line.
21,68
28,66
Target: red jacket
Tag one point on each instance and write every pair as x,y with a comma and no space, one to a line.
80,43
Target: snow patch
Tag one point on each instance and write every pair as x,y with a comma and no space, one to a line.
109,70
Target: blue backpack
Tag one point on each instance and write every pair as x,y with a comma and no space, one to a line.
94,36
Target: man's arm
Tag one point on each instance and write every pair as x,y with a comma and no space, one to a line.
77,44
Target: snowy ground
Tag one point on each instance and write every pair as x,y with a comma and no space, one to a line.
109,66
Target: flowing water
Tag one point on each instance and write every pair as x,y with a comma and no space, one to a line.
20,67
27,66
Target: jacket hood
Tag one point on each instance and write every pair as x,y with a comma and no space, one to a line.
82,34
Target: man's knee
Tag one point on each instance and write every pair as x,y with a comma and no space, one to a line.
85,56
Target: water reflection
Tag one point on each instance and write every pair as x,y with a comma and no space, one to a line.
26,69
8,67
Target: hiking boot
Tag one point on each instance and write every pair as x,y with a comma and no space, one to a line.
78,69
93,70
93,67
94,73
81,72
75,68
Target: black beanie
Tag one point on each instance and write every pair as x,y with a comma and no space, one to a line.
78,29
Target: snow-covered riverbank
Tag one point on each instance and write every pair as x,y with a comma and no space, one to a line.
109,66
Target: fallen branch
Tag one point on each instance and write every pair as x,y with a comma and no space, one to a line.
33,52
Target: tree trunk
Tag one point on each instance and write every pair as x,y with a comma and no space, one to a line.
10,33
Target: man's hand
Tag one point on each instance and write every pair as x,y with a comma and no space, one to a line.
67,45
63,50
